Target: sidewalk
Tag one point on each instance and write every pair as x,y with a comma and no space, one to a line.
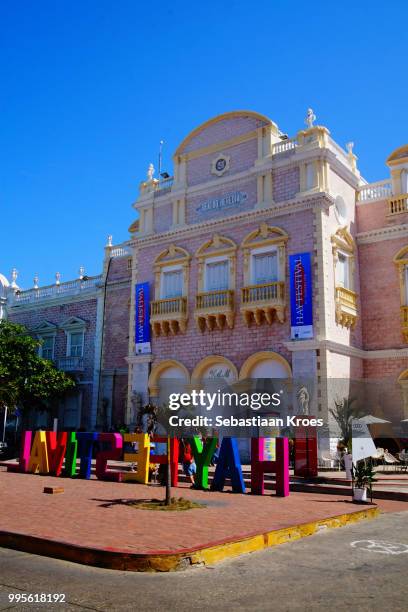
91,521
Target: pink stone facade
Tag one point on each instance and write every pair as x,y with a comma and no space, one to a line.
358,334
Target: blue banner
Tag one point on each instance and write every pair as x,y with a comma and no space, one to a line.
301,296
142,322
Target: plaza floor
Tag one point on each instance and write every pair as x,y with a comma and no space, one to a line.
96,515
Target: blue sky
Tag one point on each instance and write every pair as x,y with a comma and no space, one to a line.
89,87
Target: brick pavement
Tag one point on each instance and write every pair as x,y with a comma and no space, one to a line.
92,514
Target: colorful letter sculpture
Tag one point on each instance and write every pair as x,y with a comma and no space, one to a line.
280,466
70,468
202,457
25,450
39,456
115,452
141,457
86,441
306,452
229,466
174,452
56,447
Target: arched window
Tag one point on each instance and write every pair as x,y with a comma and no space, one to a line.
169,311
345,297
264,294
168,376
401,261
403,382
216,283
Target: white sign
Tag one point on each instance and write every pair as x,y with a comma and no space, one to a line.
235,198
362,442
143,348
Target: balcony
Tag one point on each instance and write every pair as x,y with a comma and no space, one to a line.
346,307
71,364
214,310
168,316
263,302
404,322
379,190
398,204
63,290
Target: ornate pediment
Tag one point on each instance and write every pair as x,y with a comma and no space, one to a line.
45,328
217,245
73,323
343,240
173,255
264,235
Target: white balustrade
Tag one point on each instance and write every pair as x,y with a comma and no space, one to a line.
54,291
375,191
120,251
285,145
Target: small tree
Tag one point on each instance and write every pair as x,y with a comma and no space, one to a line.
344,412
27,380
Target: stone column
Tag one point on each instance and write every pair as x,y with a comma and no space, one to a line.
139,371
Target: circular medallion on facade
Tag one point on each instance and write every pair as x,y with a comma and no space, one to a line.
340,209
220,164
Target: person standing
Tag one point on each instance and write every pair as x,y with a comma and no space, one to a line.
187,460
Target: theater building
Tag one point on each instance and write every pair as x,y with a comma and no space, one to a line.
212,250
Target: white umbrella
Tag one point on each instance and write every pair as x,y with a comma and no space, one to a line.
369,419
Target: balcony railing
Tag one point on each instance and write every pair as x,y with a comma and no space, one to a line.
168,315
289,144
71,364
346,307
215,299
120,251
375,191
215,309
404,322
168,306
398,204
54,291
262,302
346,296
263,293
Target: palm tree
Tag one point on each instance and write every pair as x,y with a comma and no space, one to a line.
344,412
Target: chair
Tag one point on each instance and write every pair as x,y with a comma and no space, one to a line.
403,457
326,457
389,459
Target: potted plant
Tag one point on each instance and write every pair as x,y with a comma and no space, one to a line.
363,477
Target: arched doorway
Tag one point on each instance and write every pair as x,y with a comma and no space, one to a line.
168,376
259,373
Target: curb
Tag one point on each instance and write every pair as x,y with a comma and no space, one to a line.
169,561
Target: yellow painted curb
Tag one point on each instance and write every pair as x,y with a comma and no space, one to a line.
168,562
215,554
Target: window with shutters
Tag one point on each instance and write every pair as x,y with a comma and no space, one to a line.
343,261
217,275
172,283
265,267
263,296
401,261
168,311
216,283
46,350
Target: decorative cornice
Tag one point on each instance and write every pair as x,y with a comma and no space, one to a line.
383,233
48,303
134,359
270,162
344,349
318,200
